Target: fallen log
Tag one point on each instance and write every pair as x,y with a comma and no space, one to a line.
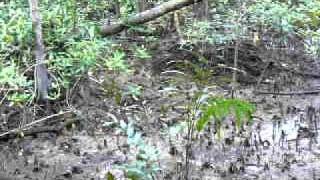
146,16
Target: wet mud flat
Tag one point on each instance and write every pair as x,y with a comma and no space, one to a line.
281,143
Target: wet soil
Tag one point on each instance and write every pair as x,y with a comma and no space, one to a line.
281,143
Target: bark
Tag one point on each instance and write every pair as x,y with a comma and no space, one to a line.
201,10
141,5
205,10
146,16
41,73
117,8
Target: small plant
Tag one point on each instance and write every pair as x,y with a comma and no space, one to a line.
134,90
116,61
218,107
10,76
127,8
204,108
141,53
16,83
143,158
79,57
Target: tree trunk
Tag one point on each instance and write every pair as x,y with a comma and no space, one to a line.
41,73
200,10
205,10
117,8
141,5
146,16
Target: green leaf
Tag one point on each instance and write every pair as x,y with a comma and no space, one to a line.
123,125
201,122
130,130
218,107
110,176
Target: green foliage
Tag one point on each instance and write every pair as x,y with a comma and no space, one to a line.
16,82
9,75
78,58
309,11
94,9
219,107
278,15
174,130
297,18
141,52
116,62
311,44
134,90
127,8
73,44
15,27
144,157
287,17
109,176
112,89
227,23
198,31
231,20
17,98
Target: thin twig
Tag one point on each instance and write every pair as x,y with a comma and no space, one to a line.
263,73
4,97
289,93
34,123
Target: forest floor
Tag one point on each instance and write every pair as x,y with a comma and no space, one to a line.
281,143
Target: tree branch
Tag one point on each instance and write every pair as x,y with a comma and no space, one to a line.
146,16
27,126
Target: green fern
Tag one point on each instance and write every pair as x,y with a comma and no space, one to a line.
219,107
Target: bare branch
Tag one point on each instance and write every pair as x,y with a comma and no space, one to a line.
27,126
